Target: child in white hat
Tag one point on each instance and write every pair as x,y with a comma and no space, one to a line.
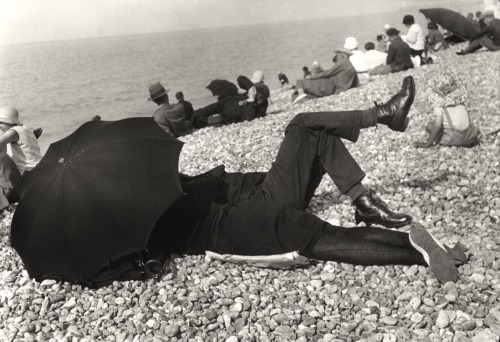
20,152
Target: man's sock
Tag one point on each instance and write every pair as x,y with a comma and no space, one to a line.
369,117
356,191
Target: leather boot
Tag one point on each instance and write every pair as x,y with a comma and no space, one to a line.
394,113
371,210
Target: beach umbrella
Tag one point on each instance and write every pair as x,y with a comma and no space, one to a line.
223,88
94,197
452,21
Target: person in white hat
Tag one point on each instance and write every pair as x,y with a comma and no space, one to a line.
20,152
358,59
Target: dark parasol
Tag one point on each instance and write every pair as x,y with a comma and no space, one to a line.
452,21
95,197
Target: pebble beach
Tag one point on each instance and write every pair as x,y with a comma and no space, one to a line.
453,192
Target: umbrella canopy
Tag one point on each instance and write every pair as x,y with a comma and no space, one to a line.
94,197
223,88
452,21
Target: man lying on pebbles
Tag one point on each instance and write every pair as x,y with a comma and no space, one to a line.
262,214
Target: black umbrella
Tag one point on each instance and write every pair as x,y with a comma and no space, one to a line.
223,88
94,197
452,21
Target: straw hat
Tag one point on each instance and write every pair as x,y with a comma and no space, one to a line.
444,90
9,115
156,90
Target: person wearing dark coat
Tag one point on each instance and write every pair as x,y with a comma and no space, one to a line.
488,36
168,116
262,214
340,77
231,109
188,107
398,55
283,79
262,94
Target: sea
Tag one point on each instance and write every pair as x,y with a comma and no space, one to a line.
59,85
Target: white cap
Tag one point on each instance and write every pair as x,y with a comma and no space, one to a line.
386,27
351,43
9,115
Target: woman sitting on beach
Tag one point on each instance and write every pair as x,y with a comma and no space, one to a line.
340,77
452,125
249,103
435,39
19,153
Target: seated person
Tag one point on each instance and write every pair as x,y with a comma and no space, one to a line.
452,125
263,93
340,77
188,107
374,58
357,59
414,37
20,153
170,117
488,36
381,43
435,39
283,79
306,71
262,214
229,109
398,57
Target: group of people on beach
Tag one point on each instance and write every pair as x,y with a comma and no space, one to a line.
393,52
233,105
259,217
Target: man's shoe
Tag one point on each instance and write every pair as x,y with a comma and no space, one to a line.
371,210
394,113
461,52
439,261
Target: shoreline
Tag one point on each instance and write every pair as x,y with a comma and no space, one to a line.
453,192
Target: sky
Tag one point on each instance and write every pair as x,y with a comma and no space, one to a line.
23,21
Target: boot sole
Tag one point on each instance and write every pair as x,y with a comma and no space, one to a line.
401,121
358,219
434,254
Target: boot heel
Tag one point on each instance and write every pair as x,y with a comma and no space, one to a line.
358,219
405,124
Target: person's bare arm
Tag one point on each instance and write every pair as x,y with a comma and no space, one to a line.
8,137
436,129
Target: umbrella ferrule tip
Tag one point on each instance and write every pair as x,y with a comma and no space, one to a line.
63,161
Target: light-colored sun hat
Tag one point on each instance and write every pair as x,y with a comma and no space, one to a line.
258,76
9,115
386,27
488,14
351,43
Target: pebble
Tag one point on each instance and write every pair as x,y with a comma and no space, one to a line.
442,320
